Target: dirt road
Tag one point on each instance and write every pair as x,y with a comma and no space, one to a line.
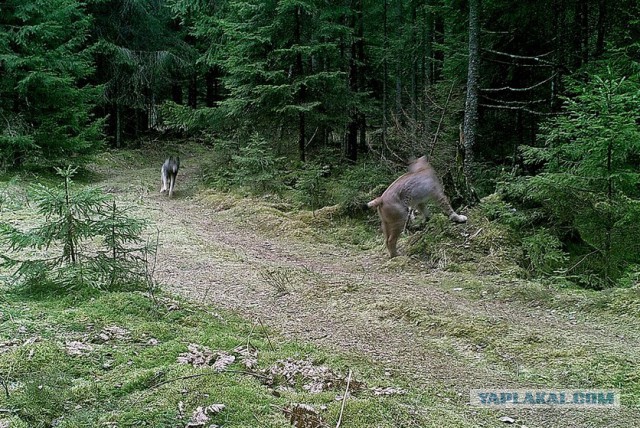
442,329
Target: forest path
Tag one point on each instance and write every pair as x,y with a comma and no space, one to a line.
433,326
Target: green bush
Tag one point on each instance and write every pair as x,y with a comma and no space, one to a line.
217,170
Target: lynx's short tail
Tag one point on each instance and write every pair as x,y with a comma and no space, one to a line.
375,203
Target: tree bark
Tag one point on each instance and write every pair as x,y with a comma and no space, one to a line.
601,27
362,122
399,64
354,79
176,93
193,91
118,126
438,37
473,76
414,69
213,87
302,141
385,72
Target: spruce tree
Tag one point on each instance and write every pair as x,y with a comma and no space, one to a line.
283,67
589,181
46,104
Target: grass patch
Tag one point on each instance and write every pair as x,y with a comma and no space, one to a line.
126,372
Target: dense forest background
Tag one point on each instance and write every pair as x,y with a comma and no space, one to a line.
538,102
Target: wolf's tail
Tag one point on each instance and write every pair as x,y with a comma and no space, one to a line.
175,165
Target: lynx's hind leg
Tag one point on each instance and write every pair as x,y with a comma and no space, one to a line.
392,231
393,222
443,201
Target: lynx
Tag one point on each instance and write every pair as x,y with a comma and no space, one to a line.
410,191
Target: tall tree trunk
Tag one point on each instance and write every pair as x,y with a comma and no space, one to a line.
352,140
559,31
581,33
302,140
362,126
302,93
399,63
176,93
362,122
118,126
385,72
428,65
193,90
354,121
601,27
414,69
213,86
438,37
584,25
471,104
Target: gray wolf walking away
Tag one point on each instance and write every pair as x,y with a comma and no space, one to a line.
169,173
410,191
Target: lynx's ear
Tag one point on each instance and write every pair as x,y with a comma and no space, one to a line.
419,164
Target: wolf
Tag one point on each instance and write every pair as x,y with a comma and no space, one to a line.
410,191
168,173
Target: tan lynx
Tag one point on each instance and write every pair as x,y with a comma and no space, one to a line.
412,190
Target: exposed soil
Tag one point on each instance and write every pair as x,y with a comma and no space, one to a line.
423,324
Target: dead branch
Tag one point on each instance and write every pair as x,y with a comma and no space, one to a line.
193,376
519,103
538,58
518,108
266,334
509,88
344,400
444,111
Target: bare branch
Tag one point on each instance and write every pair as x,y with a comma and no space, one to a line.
509,88
538,58
503,107
516,103
444,110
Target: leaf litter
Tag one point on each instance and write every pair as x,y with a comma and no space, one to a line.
314,378
303,416
202,415
76,347
112,333
200,356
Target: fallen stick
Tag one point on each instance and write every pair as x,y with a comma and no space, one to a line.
344,400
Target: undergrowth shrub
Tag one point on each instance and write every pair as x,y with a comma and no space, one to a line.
83,239
481,245
217,170
256,166
252,165
310,187
543,253
357,185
